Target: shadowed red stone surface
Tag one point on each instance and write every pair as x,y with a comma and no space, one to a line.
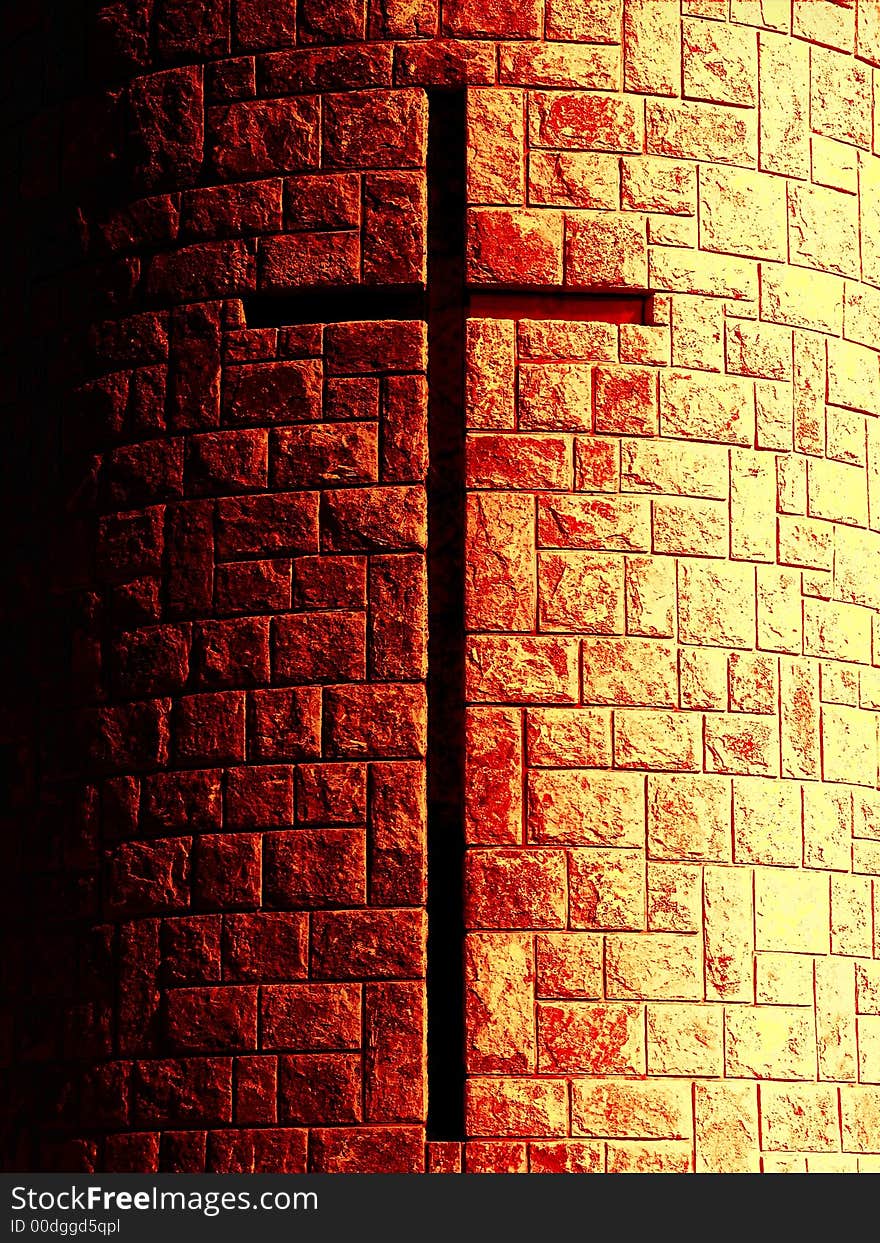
216,719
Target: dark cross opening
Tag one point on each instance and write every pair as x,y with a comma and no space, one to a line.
446,500
337,305
444,306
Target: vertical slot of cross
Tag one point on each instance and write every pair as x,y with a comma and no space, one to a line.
446,508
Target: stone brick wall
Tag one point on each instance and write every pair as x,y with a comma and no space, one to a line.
235,897
262,740
671,798
672,603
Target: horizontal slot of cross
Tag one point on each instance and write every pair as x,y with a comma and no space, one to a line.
557,304
337,305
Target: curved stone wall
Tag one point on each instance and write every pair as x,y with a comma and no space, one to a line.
671,793
672,596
